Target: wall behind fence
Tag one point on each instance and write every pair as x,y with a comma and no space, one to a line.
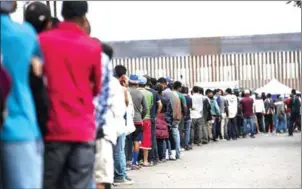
252,70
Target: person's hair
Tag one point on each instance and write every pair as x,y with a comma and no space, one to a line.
148,81
229,90
176,85
132,84
141,85
209,91
153,81
108,50
201,90
195,89
119,70
294,92
162,80
237,93
269,95
184,90
158,88
74,9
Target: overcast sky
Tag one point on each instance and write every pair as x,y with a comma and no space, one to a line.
134,20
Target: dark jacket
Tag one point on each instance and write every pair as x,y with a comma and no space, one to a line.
207,110
40,100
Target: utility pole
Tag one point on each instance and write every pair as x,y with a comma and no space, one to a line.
55,8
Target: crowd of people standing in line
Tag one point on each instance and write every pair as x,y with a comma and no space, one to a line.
70,120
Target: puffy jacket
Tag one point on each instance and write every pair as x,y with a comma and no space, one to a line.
161,127
232,105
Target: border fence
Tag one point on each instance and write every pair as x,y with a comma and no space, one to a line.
251,70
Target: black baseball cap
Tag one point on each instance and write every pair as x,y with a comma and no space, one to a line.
38,14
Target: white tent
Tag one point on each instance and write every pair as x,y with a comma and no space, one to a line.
274,87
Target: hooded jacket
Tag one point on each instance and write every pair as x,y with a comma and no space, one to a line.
232,105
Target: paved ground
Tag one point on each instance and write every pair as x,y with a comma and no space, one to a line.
264,162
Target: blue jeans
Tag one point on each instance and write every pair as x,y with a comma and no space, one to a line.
22,164
92,184
187,131
246,121
176,136
120,158
280,123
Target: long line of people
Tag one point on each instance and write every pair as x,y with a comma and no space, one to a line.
71,120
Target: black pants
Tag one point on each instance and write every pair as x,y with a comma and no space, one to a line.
68,165
260,122
153,153
172,141
232,128
181,129
160,147
239,122
294,119
269,123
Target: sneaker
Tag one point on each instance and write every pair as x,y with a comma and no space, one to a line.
125,181
182,149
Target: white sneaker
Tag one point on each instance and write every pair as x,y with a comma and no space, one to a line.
173,155
167,154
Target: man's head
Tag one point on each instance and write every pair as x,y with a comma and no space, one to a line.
269,95
294,92
163,82
209,93
247,92
228,91
184,90
195,90
120,71
75,11
133,80
159,88
8,7
218,92
149,84
39,16
177,86
142,81
153,81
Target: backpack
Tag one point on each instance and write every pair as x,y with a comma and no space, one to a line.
239,108
295,104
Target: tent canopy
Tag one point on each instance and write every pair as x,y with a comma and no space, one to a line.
274,87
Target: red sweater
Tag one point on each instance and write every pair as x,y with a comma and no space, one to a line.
73,72
247,106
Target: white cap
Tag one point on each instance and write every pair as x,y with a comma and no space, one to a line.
246,91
